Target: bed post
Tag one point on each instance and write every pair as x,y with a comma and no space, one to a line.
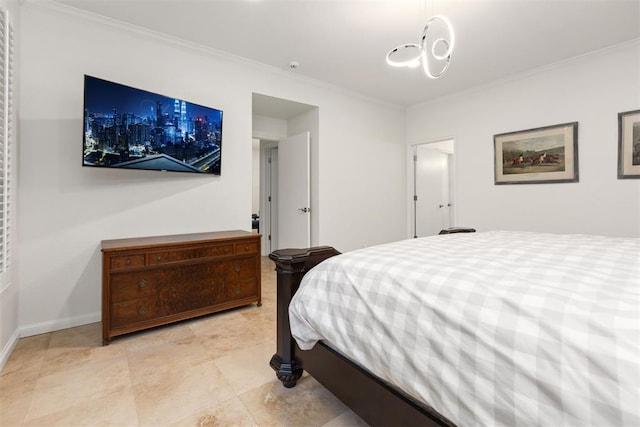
291,265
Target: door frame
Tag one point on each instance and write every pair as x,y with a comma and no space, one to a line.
411,190
268,188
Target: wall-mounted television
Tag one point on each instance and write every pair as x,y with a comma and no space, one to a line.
130,128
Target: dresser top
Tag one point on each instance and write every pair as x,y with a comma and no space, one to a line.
141,242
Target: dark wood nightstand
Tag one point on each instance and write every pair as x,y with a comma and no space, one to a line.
452,230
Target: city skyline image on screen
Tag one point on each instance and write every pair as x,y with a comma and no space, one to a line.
130,128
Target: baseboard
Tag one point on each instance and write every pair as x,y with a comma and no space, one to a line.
43,328
56,325
8,348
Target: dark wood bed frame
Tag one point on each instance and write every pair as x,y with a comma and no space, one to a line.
374,400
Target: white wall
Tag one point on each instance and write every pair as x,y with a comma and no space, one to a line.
268,128
66,210
362,167
590,90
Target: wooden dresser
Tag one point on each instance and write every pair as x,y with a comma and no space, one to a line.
153,281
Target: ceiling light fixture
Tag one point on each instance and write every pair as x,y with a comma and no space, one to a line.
426,50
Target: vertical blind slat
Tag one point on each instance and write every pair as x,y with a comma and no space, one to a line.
6,133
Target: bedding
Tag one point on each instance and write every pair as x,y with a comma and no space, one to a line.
493,328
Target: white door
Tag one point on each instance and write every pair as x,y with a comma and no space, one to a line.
432,190
294,179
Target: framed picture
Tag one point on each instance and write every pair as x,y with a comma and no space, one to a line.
629,144
537,156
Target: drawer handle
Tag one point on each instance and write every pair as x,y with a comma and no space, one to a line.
128,261
246,248
159,257
142,311
142,283
237,290
237,268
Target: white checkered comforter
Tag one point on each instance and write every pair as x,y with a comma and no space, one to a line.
495,328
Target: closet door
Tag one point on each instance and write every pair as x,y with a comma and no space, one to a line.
432,190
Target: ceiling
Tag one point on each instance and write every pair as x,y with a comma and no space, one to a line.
344,42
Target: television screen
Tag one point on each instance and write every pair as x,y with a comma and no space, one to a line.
131,128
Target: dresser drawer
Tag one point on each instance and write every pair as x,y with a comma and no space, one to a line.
135,311
187,297
241,289
124,262
157,258
135,285
240,269
246,248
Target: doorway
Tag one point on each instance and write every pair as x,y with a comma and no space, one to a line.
433,187
283,126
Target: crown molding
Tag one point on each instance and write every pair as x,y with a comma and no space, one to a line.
530,73
63,9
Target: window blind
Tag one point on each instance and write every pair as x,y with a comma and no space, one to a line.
6,134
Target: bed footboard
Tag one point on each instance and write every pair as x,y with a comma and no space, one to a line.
375,401
291,265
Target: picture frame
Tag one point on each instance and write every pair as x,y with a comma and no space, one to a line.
629,145
541,155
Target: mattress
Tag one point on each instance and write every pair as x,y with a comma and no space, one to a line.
495,328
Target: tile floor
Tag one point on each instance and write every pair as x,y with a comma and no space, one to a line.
211,371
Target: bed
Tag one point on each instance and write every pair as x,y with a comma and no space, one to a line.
492,328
